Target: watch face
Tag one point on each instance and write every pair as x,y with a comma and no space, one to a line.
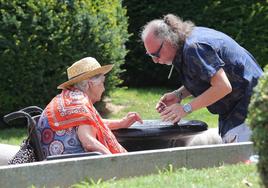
187,108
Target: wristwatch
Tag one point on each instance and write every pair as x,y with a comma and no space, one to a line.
187,108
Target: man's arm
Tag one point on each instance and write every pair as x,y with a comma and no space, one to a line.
220,87
182,93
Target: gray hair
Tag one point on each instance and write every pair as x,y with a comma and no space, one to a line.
83,85
171,28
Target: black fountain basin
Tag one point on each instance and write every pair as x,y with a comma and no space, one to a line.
156,134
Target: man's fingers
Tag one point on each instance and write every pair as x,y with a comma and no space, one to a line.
161,101
159,104
166,111
161,109
176,120
163,98
168,116
158,107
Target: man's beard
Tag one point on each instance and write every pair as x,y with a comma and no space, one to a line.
169,63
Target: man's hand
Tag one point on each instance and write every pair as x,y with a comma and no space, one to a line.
173,113
167,100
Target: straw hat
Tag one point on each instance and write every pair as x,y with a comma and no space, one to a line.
84,69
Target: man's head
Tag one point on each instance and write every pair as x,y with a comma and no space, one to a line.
158,48
163,37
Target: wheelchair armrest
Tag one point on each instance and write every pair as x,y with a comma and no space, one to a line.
32,109
72,155
16,115
23,113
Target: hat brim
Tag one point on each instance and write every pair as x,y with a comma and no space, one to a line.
102,70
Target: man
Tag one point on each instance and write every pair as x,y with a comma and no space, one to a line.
212,67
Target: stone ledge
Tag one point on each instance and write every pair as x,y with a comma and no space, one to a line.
66,172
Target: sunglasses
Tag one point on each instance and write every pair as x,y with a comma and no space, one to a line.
157,53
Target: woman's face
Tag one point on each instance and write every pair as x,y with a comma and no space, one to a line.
96,88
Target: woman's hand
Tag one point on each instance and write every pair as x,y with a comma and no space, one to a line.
173,113
129,119
167,100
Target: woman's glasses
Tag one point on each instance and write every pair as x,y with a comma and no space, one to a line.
157,53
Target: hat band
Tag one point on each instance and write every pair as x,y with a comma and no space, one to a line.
77,75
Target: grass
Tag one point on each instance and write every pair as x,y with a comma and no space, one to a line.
13,136
236,176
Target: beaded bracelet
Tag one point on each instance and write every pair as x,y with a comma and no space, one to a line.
178,94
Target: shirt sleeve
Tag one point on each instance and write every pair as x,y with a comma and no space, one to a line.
203,60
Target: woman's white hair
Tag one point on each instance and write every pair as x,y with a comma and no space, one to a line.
83,85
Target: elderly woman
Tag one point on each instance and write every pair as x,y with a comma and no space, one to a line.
71,124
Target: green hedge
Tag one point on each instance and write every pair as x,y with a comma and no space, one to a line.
258,120
245,21
40,39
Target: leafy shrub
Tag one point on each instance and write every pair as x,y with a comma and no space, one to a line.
245,21
40,39
258,120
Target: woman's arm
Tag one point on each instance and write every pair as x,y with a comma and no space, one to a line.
125,122
113,124
87,136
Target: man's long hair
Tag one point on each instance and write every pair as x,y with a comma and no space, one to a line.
171,28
